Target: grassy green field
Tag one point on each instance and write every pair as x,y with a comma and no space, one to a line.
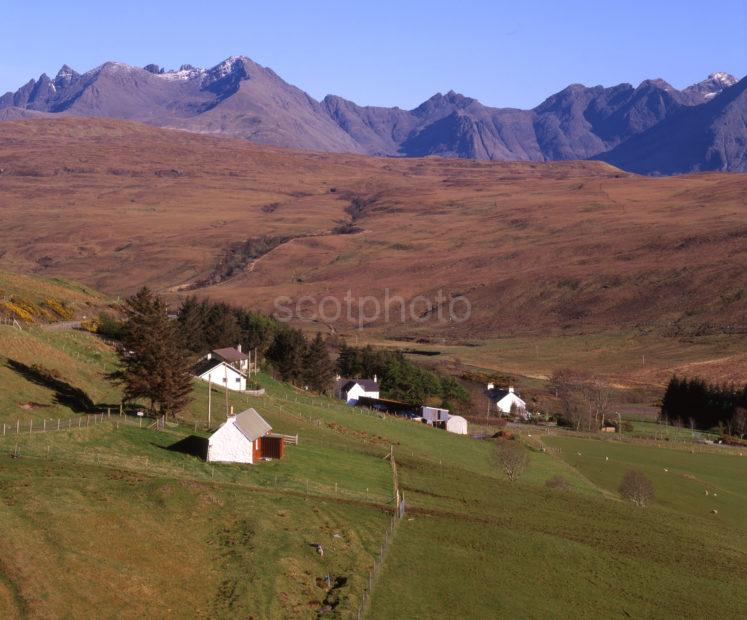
114,518
681,477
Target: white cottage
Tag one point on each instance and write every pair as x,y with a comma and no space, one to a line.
220,373
350,390
239,439
233,356
507,401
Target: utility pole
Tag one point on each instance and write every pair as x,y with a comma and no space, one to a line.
225,370
210,396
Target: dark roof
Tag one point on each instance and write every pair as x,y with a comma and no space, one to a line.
251,424
230,354
201,367
367,384
497,393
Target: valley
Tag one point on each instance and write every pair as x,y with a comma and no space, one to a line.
549,254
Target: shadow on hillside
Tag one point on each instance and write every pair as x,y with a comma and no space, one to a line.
64,394
192,445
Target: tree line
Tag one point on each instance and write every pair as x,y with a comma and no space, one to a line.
400,378
207,325
703,405
157,353
585,402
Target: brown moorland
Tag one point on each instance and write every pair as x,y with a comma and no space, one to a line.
538,249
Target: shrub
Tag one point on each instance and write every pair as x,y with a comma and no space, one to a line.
59,309
109,326
637,487
18,311
512,458
90,325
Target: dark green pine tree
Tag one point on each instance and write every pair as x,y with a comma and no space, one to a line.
192,319
222,328
347,361
319,370
153,362
287,354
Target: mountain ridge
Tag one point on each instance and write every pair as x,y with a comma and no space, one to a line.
243,99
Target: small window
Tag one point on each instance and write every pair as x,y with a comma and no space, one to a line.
223,379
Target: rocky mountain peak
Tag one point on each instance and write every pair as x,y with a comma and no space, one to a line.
714,84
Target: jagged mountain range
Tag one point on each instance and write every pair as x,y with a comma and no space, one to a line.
652,128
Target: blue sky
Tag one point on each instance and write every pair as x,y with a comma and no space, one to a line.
390,53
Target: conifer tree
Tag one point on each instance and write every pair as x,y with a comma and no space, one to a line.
319,370
153,362
287,354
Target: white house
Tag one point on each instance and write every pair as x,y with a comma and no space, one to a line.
456,424
507,401
239,439
350,390
232,356
220,373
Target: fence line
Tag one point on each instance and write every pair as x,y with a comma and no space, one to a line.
86,420
399,512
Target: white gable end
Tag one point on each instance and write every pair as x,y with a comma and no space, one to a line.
224,375
509,400
356,391
229,445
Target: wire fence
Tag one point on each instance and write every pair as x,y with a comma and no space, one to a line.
26,440
19,446
48,425
378,563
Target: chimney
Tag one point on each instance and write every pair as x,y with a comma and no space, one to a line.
209,356
491,386
238,347
231,409
337,377
376,379
511,390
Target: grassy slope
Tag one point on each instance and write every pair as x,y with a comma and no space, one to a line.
131,528
37,289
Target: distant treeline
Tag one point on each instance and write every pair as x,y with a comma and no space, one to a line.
698,403
206,325
400,378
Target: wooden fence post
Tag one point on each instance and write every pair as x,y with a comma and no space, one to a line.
31,426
